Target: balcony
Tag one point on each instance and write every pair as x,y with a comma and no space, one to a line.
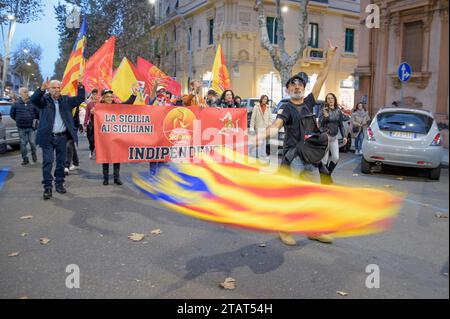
313,56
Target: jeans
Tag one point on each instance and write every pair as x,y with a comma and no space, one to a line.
298,167
57,145
90,136
333,143
72,155
359,140
154,167
27,135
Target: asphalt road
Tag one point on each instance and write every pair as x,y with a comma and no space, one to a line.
89,227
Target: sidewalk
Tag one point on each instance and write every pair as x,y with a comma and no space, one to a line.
445,158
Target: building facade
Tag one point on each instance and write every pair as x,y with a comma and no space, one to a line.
413,31
234,25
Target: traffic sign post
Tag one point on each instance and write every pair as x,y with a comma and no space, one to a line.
404,75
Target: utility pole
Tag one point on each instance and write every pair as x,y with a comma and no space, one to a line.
7,44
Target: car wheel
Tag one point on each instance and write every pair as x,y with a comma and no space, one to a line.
366,167
435,173
15,147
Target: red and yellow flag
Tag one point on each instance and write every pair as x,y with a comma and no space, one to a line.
150,72
220,77
98,70
76,63
237,193
125,79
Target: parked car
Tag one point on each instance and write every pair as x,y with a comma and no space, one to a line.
11,133
403,137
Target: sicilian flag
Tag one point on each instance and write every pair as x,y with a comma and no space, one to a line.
75,65
98,70
125,78
220,77
150,72
231,191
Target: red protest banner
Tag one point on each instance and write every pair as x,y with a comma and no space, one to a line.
130,134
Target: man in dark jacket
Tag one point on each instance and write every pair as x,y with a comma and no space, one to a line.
56,124
25,115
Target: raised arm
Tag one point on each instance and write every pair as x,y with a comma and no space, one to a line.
324,73
38,96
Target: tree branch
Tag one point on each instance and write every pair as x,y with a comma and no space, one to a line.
302,27
264,36
280,33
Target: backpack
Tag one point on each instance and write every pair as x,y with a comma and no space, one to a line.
313,143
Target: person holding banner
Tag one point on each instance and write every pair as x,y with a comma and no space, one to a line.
195,97
108,98
227,100
159,95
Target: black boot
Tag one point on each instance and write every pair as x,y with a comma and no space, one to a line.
47,193
117,180
105,174
331,167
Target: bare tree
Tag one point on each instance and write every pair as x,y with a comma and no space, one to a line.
282,61
26,62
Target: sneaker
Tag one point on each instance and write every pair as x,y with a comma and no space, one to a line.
25,162
287,239
90,155
66,171
117,181
34,158
73,167
325,239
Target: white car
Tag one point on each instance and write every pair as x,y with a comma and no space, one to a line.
403,137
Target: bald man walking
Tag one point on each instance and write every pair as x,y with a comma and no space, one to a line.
55,126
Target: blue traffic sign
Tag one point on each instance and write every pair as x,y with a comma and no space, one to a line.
404,72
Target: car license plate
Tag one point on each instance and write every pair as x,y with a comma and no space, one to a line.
408,135
14,134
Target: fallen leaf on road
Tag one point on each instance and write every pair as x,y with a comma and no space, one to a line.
388,186
15,254
229,283
400,178
136,236
24,234
342,293
355,175
26,217
440,215
24,297
262,245
156,232
44,241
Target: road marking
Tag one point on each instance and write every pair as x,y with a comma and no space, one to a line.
3,173
444,210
